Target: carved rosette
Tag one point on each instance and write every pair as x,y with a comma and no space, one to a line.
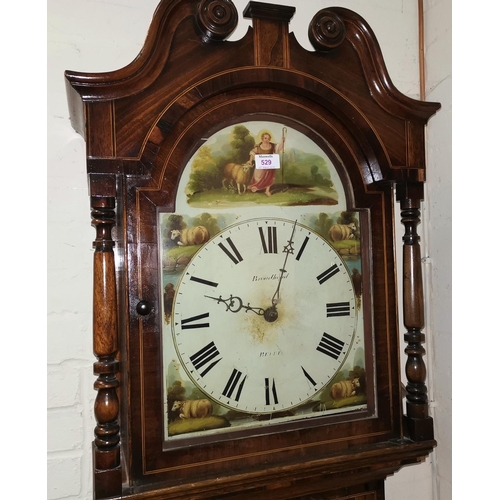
326,30
216,19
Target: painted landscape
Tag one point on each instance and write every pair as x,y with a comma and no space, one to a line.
223,172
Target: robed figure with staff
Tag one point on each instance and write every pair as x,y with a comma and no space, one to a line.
263,179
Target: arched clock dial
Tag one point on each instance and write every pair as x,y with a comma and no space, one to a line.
264,315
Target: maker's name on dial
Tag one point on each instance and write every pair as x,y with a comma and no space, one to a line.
271,277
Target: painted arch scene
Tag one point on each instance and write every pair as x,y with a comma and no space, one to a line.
223,170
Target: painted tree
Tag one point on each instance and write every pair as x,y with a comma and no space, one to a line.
347,218
241,144
176,392
203,159
173,222
208,221
204,179
318,178
323,224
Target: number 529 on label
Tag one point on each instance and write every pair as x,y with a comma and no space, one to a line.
266,162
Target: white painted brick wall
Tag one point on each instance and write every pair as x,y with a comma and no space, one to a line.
63,385
439,235
64,477
102,36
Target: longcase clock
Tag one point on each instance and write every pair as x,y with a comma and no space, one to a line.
245,300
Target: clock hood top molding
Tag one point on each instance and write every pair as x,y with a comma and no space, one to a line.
183,63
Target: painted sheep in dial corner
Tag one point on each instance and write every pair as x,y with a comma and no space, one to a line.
193,408
339,232
190,236
344,388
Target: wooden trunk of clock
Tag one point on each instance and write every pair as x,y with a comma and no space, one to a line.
159,135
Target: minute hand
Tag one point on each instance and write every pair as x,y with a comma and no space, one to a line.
288,249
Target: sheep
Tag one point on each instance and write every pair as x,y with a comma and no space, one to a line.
193,408
345,388
339,232
240,174
191,236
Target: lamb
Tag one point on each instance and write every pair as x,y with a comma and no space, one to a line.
191,236
339,232
193,408
239,174
344,388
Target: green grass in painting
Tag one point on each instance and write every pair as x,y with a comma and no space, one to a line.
292,196
183,426
345,244
342,403
183,251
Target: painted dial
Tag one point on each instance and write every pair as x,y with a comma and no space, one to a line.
264,316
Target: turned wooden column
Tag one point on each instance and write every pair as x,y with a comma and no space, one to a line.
106,446
418,424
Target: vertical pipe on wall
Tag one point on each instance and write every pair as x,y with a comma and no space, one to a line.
421,54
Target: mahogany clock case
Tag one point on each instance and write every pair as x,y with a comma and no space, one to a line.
142,125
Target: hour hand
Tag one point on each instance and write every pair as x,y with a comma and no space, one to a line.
235,304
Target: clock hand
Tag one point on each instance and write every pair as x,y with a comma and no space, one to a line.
271,313
235,304
288,249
